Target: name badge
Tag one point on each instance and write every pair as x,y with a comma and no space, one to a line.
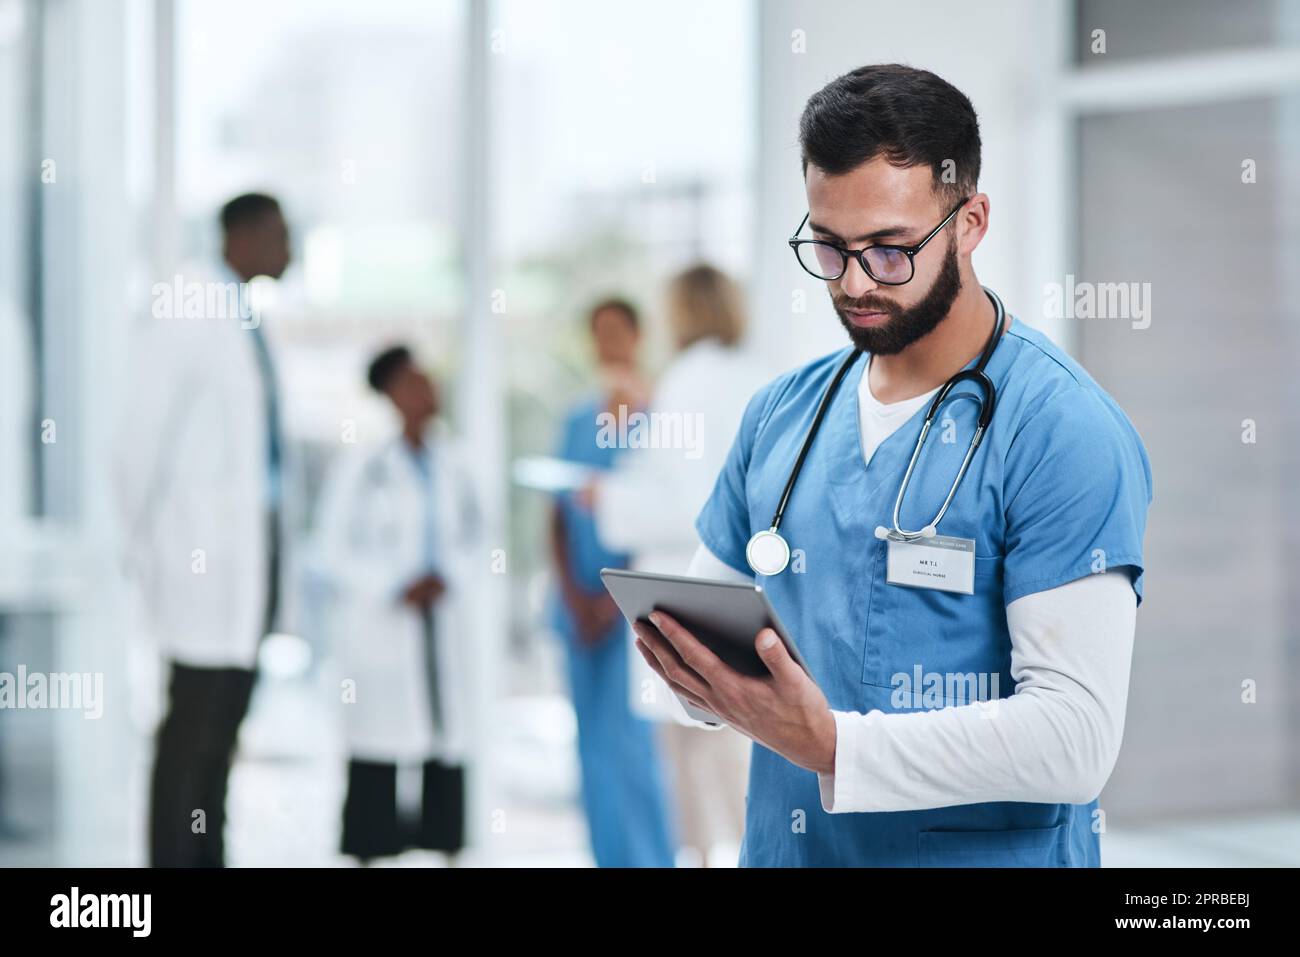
942,562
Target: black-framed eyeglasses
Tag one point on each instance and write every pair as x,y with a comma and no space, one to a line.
888,265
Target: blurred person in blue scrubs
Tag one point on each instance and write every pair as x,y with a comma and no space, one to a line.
646,505
623,792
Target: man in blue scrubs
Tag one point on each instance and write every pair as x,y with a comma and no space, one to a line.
965,727
623,791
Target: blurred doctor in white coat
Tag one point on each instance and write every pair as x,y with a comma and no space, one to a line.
398,527
647,506
198,465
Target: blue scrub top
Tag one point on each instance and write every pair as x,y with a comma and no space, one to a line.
1058,489
578,443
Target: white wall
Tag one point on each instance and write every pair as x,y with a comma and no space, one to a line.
1001,55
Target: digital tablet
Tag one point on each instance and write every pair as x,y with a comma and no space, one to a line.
724,616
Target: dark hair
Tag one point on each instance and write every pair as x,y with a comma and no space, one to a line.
618,304
910,117
386,365
246,209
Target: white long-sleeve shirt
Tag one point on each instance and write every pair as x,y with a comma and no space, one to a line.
1055,740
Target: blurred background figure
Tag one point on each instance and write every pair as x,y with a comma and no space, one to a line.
198,482
647,506
398,527
622,788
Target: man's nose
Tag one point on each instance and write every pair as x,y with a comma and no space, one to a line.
855,283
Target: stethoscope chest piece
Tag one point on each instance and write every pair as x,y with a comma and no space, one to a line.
767,552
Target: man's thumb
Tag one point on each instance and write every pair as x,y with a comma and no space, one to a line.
774,654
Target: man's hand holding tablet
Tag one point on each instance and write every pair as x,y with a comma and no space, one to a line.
721,649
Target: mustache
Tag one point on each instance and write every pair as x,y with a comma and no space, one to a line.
865,304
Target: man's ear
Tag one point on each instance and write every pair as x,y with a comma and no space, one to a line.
972,224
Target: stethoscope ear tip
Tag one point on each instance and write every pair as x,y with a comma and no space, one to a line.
929,531
881,532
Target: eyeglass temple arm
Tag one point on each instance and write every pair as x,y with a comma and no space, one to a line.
802,223
935,232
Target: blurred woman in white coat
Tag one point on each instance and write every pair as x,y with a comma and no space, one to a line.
397,529
647,506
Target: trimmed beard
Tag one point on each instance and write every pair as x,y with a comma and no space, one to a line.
904,326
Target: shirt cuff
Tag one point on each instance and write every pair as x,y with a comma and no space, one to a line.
844,788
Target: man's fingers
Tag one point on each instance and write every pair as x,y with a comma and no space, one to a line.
702,661
671,667
649,657
653,662
772,650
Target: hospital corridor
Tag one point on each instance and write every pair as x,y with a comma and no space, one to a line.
561,434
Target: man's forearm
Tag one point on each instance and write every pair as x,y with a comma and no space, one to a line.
1054,741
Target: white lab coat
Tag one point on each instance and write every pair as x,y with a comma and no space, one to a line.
189,470
648,503
371,530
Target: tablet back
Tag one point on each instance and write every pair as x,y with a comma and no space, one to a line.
724,616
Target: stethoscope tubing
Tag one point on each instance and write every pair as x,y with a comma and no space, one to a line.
812,434
988,402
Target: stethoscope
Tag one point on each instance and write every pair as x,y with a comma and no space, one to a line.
768,553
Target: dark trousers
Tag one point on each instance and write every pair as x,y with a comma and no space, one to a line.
372,826
192,765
